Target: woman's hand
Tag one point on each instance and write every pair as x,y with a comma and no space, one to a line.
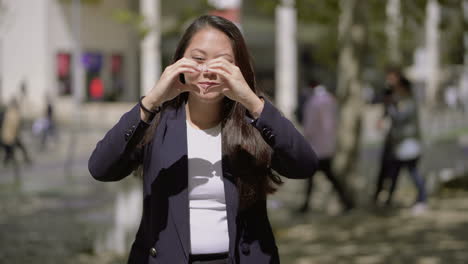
235,88
169,86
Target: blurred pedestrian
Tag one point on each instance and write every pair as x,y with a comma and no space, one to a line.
304,94
2,117
44,127
11,133
405,142
320,124
207,141
23,102
392,79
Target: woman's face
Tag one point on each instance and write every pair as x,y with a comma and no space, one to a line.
205,45
392,78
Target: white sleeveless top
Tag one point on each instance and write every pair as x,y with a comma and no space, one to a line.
207,202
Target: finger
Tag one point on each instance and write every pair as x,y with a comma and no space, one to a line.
215,89
172,69
185,69
188,88
185,87
222,59
187,65
176,73
221,66
223,73
184,62
223,90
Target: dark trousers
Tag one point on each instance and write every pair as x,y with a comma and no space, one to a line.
390,168
385,165
10,152
418,180
324,165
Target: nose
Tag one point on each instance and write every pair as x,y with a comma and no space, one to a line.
209,75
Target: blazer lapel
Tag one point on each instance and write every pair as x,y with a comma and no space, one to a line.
176,149
232,203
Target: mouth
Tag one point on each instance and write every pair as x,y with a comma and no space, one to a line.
206,85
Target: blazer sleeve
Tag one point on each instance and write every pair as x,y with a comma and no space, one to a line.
117,155
293,156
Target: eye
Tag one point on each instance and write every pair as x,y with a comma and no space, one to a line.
229,59
198,58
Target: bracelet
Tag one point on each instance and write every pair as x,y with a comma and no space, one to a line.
152,113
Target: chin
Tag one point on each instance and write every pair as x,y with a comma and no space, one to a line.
213,97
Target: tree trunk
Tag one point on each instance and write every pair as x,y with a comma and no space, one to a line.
351,39
150,58
393,29
286,58
433,17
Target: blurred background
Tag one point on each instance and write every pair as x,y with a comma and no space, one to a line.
70,68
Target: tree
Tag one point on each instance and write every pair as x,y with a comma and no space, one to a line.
352,34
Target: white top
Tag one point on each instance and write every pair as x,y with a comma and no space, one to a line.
207,202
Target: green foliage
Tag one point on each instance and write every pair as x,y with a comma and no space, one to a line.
315,11
452,29
266,7
129,17
325,15
318,11
184,13
181,11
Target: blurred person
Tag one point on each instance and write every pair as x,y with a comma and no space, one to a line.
392,78
207,142
2,116
451,97
304,94
320,124
405,142
463,84
10,135
44,127
23,103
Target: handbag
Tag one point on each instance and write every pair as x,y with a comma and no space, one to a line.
408,149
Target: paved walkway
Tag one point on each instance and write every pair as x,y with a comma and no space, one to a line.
377,237
55,216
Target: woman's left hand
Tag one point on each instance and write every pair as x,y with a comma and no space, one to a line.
235,87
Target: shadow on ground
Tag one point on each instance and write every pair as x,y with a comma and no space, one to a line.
379,236
53,226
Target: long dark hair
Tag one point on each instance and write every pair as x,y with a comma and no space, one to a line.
248,154
406,85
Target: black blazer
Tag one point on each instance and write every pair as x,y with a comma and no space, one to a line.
163,235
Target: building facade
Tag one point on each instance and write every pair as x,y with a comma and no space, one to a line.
36,52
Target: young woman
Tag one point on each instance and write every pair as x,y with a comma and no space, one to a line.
405,142
207,143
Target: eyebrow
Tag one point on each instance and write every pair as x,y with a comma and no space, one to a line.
219,55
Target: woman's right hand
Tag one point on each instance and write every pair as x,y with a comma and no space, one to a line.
169,86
